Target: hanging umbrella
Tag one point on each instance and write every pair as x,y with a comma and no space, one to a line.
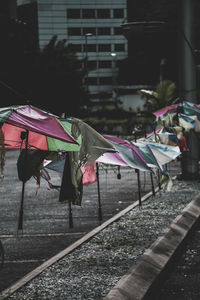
45,131
129,153
165,110
112,159
187,108
149,156
164,153
27,127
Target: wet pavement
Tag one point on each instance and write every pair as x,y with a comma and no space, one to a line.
46,229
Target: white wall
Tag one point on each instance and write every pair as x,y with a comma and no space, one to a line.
133,101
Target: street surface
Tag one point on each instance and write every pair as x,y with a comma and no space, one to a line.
46,229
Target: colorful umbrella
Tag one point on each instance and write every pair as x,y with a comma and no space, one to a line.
129,153
27,127
148,155
165,110
187,108
164,153
112,159
45,131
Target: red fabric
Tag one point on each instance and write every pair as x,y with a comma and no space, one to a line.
89,174
12,138
182,144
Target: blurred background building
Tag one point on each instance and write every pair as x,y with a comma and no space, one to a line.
93,27
125,45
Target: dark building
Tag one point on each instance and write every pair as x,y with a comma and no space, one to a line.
19,39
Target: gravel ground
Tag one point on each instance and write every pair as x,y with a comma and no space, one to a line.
93,269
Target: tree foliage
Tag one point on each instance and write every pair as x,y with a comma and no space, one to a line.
164,95
50,78
59,77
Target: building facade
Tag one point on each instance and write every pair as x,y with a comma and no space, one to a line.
93,27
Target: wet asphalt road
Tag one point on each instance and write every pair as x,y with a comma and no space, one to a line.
46,229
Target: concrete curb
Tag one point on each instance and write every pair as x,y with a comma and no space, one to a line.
143,277
31,275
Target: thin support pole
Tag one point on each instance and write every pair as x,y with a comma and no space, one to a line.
159,184
99,197
139,186
152,184
71,225
21,211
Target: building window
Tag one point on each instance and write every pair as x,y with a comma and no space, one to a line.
88,13
89,30
73,13
103,13
118,13
118,31
90,48
76,47
105,80
74,31
92,81
119,47
104,47
105,64
92,64
103,31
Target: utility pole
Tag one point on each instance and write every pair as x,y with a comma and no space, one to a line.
187,83
187,68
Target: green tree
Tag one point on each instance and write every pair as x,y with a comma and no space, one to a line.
58,77
50,78
164,95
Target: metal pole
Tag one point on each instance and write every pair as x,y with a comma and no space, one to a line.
138,175
21,211
187,83
159,185
70,202
187,68
99,198
70,215
139,186
152,184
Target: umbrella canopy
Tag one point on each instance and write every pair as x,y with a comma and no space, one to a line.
187,108
127,154
112,159
149,156
163,111
164,153
46,131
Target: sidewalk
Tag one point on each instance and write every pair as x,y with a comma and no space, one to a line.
46,228
95,267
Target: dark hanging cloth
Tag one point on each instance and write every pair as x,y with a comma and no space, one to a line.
71,186
28,163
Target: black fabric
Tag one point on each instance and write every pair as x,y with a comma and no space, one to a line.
70,192
28,163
